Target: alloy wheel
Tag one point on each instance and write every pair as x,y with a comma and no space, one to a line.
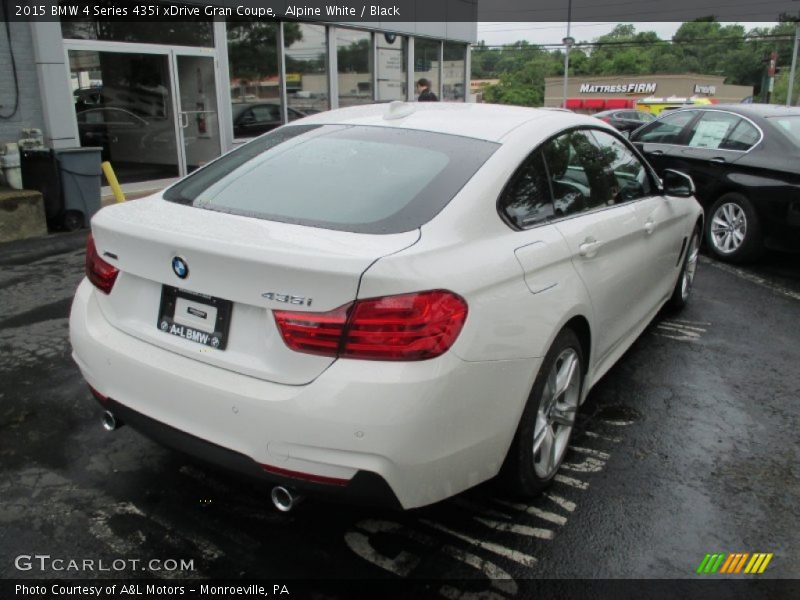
728,228
691,265
556,415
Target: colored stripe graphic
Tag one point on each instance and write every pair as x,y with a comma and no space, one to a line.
766,562
718,563
725,567
701,568
734,562
741,562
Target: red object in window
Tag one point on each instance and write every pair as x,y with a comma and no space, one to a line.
415,326
574,103
613,103
100,273
594,103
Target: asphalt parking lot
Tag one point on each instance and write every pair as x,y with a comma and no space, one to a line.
688,446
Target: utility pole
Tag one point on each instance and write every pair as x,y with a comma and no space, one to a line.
794,64
568,43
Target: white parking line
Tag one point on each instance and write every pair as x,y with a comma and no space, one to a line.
677,331
526,560
591,452
752,278
567,505
402,564
537,532
606,438
500,578
536,512
616,422
571,482
589,465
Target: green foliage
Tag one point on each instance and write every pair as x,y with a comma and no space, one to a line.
703,46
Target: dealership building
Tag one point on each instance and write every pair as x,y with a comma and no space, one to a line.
593,94
165,97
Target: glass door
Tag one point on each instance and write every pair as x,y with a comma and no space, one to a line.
198,117
123,104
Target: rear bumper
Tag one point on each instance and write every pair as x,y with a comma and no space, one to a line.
427,429
364,487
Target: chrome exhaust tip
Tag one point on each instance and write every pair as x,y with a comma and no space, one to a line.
284,499
110,422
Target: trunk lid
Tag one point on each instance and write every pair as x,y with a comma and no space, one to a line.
257,265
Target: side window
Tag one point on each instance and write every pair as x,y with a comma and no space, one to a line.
266,113
743,137
712,128
668,129
526,201
629,174
580,173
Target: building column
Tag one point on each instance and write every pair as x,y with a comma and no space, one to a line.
411,91
333,68
52,70
224,111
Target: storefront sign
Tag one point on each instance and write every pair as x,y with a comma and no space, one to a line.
624,88
709,90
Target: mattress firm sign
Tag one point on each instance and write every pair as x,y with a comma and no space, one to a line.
623,88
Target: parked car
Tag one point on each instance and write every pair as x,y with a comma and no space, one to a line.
253,119
625,120
745,162
389,302
127,137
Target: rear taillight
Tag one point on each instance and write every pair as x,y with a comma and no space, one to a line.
414,326
100,273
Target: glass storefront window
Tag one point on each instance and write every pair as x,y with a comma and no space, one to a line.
426,62
454,72
254,77
123,103
306,51
354,57
391,67
188,31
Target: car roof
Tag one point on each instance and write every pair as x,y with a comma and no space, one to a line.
754,110
489,122
238,108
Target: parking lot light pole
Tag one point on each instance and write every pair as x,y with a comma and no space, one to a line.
568,42
794,65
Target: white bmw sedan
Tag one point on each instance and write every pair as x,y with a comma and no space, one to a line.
390,303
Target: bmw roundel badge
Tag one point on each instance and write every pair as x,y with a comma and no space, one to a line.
180,267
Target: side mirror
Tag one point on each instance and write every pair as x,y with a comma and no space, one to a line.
678,184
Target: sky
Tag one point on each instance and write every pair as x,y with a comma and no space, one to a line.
553,33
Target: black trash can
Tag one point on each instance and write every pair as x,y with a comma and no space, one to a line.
81,175
69,180
40,172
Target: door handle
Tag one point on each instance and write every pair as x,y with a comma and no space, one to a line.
184,120
656,153
717,159
649,226
589,248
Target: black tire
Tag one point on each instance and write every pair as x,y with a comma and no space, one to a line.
72,220
519,473
683,286
751,247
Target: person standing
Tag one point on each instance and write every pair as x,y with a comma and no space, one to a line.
424,91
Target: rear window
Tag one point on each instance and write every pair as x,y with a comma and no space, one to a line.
351,178
789,126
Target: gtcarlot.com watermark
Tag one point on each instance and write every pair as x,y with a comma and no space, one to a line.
47,563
